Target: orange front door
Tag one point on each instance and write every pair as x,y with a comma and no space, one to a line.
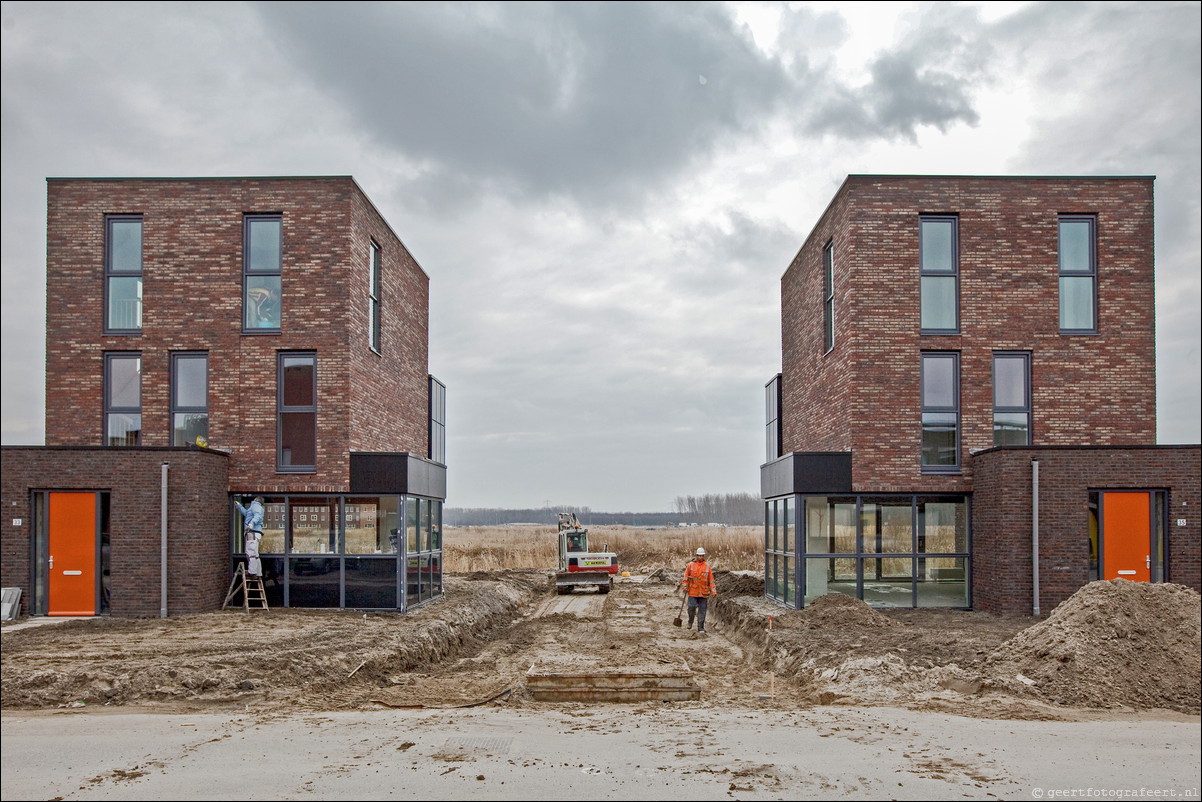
71,536
1126,536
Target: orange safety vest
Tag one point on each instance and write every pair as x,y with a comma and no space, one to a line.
698,579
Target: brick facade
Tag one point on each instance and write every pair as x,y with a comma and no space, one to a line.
864,397
198,526
1002,517
1092,395
192,301
368,400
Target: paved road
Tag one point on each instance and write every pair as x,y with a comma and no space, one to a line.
660,751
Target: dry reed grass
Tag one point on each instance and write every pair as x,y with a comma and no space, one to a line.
493,548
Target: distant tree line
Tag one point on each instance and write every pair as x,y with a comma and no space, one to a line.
735,509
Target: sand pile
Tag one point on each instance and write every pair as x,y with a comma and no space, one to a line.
1111,644
839,611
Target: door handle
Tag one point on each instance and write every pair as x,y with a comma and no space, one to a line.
51,561
1148,562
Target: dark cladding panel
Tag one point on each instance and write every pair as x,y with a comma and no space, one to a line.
806,472
398,473
427,478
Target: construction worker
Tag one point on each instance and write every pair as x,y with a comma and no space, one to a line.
252,530
698,584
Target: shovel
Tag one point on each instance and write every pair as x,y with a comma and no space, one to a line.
677,622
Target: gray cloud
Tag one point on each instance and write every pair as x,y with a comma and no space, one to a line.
599,101
542,161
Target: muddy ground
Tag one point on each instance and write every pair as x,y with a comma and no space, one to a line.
1115,645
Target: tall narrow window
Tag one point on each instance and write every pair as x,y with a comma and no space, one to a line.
940,412
297,412
1012,399
189,398
939,275
122,399
123,274
438,421
772,413
1078,274
373,293
261,272
828,295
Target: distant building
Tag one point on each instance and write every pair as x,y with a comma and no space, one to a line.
949,344
213,338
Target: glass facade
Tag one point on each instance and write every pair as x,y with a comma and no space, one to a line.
347,551
889,550
780,562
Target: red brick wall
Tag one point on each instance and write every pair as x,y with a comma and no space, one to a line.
817,387
192,272
1087,390
1002,570
198,528
399,371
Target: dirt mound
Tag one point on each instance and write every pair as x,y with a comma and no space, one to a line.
1111,644
730,583
840,611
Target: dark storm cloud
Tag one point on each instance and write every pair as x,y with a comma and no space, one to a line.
600,102
584,99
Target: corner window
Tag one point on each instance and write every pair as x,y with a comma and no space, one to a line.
296,398
939,275
189,398
122,274
772,413
438,421
1012,399
261,272
828,295
373,295
123,399
1078,274
940,412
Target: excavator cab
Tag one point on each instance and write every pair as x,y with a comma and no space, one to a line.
579,566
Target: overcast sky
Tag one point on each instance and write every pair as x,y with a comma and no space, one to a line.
604,195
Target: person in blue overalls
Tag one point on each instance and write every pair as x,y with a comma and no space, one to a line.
252,526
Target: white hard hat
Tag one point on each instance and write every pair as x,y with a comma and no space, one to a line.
700,552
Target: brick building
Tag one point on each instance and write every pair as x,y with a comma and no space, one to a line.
272,330
942,337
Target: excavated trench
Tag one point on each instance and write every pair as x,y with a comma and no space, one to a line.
506,638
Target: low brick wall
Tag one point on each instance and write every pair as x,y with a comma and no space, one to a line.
198,545
1002,567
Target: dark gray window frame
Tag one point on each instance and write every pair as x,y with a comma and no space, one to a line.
954,275
772,402
283,563
801,556
828,296
1025,356
282,409
935,409
1091,273
109,409
176,356
247,273
437,439
110,273
375,269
